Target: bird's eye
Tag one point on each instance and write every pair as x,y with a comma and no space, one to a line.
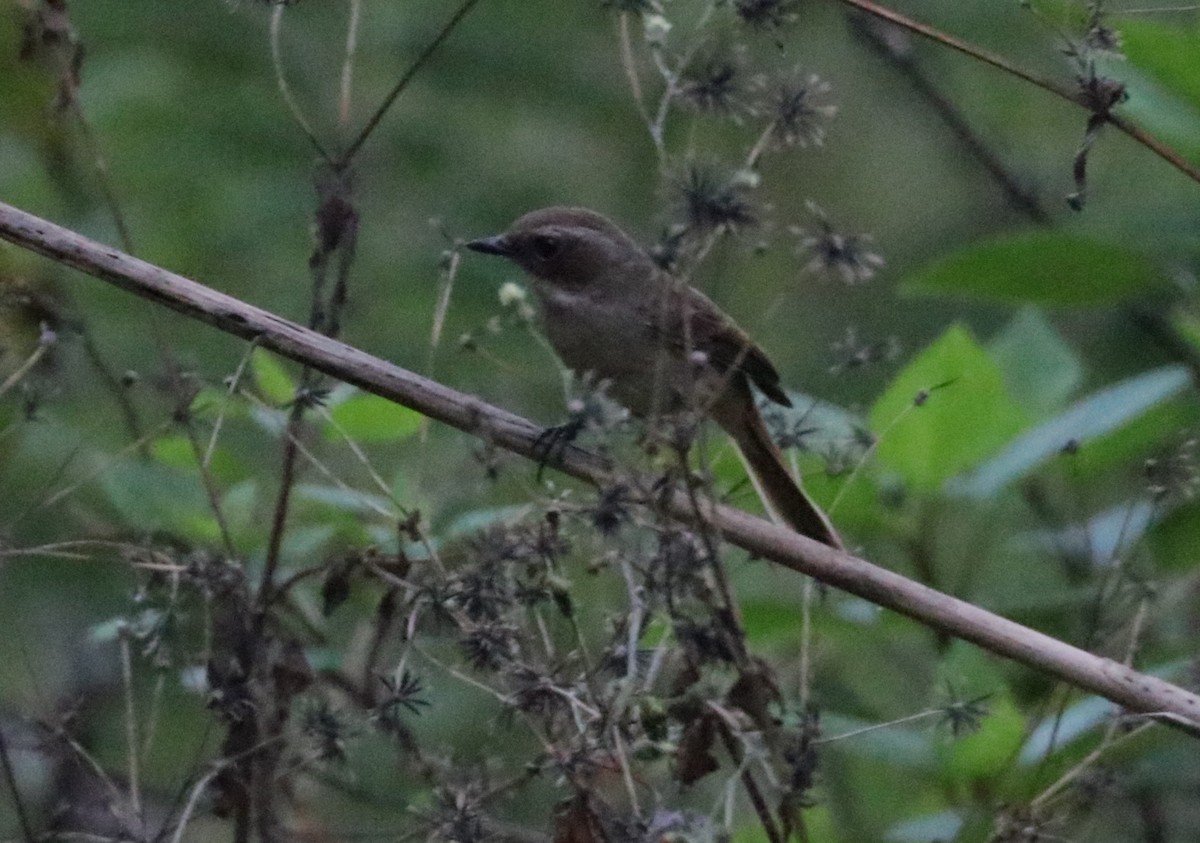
545,246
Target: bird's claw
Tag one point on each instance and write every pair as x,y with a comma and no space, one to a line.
552,442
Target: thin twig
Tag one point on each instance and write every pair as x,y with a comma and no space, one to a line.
866,456
230,388
103,467
761,809
285,90
1163,150
363,459
329,474
626,772
347,87
336,235
10,778
445,289
1083,765
194,799
920,715
63,549
806,603
631,74
103,176
96,768
25,368
407,77
115,386
160,681
131,727
211,490
731,622
287,480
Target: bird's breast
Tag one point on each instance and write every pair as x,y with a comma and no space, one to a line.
589,335
615,341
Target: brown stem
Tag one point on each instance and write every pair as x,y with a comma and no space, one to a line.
1019,197
400,85
120,395
1162,150
287,478
757,801
337,234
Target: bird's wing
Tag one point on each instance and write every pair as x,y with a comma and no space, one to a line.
712,332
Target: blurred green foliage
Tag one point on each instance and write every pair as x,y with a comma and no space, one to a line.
1005,411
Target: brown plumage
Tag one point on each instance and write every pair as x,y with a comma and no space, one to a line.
663,346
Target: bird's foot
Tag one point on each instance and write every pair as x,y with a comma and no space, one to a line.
553,441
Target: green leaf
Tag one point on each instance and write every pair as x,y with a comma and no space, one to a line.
1099,414
1174,540
1188,326
1145,436
475,520
1044,267
1161,112
150,496
1056,733
240,505
768,621
348,500
856,492
988,752
308,542
965,416
834,441
1168,53
273,381
211,402
369,418
1102,538
1040,370
927,828
827,426
176,451
969,671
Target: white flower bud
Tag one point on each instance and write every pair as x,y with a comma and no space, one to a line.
746,178
657,28
511,293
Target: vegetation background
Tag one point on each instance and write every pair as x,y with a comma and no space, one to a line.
1045,471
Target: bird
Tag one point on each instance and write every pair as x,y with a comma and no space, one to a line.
662,346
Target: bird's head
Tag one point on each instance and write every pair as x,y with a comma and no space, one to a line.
569,248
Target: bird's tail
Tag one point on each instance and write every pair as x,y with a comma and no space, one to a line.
781,494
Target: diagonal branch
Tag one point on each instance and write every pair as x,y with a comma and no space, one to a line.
1136,691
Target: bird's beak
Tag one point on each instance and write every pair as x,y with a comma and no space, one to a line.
497,245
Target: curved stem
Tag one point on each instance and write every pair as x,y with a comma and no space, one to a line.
285,90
